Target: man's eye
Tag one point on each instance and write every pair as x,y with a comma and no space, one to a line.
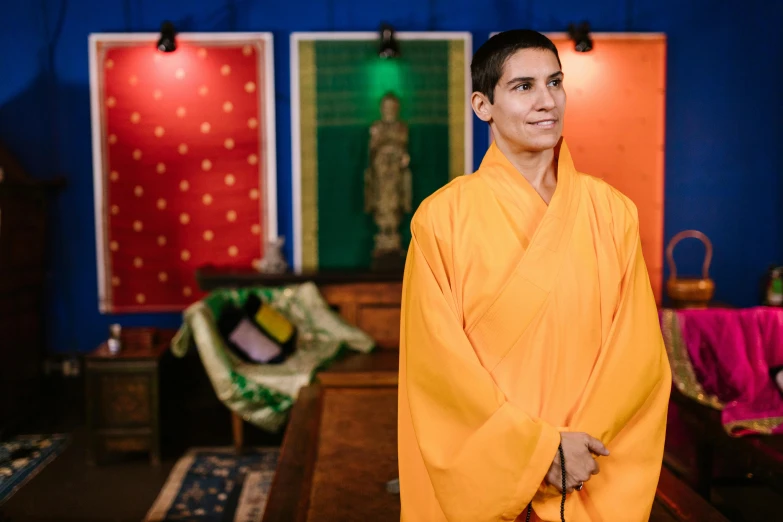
523,87
556,83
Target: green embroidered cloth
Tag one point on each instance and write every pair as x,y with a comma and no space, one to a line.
262,394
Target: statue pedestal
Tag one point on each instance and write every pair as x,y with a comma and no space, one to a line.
390,261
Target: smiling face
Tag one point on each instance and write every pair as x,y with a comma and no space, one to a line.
529,102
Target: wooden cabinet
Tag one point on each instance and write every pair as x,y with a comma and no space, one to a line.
23,217
123,399
368,300
373,306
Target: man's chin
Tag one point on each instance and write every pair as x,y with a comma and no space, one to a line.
538,142
542,143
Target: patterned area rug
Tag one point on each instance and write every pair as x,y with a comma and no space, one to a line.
24,457
217,485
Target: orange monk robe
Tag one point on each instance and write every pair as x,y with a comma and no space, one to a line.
521,320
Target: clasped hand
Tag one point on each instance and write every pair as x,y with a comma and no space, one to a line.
578,450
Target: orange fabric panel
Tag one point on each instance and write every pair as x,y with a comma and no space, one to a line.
614,124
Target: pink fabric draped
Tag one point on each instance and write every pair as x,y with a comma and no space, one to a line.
732,352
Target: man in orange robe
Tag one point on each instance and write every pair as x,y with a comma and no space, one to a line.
528,324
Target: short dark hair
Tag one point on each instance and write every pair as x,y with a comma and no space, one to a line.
487,65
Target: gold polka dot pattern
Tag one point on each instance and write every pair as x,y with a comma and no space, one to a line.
184,164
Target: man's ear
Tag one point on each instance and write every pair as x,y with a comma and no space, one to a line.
481,106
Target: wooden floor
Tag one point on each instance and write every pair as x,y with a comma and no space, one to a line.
68,490
124,488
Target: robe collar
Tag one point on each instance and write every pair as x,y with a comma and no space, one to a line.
510,183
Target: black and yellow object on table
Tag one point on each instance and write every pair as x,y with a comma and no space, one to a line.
272,323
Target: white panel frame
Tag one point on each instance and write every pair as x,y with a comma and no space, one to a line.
296,138
266,98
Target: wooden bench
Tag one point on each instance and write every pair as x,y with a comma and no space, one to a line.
675,500
369,300
360,370
340,450
761,456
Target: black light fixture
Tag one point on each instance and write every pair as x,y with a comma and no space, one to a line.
388,46
167,42
580,34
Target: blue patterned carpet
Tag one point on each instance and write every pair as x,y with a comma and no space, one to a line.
23,457
216,485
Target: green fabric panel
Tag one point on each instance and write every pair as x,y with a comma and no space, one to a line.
351,80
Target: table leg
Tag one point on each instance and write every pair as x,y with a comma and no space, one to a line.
155,457
155,417
237,428
705,453
91,428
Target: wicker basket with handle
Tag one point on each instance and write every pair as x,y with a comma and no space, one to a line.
690,292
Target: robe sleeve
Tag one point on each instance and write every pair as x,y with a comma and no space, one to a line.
485,457
626,395
632,368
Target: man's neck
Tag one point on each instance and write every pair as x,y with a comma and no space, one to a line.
537,167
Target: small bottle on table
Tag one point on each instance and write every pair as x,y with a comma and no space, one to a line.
114,339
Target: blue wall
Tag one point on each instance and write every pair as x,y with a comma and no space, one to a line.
724,133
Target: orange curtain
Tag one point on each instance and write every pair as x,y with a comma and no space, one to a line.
614,125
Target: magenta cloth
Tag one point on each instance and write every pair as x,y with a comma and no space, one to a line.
731,352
